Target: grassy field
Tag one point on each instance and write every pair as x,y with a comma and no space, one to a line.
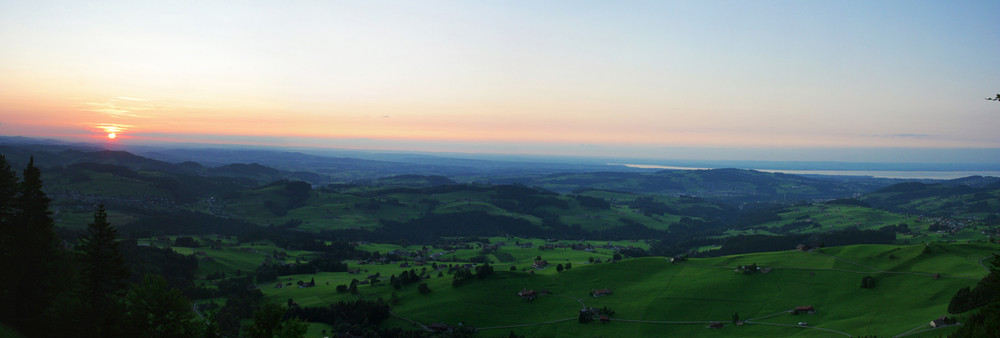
366,207
836,217
652,289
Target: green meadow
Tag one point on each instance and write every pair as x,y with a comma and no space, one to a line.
366,207
835,217
650,293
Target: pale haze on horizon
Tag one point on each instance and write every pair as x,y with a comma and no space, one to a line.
640,79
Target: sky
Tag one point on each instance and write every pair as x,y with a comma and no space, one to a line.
783,80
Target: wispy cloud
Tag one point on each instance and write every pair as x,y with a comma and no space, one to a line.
123,107
910,136
111,127
126,98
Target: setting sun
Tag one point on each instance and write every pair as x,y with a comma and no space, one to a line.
112,135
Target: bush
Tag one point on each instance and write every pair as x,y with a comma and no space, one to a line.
867,282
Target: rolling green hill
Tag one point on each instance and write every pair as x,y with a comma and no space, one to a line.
652,297
727,185
940,199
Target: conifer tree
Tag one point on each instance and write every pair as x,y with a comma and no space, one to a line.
30,249
157,310
8,195
104,277
9,186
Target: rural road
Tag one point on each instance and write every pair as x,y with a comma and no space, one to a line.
984,265
195,308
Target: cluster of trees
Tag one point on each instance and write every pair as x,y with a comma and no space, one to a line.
867,282
763,243
986,291
463,275
985,322
360,318
405,278
180,221
48,289
592,202
107,287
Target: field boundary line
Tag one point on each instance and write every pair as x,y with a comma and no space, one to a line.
802,326
523,325
907,333
847,261
663,322
411,321
195,308
984,265
910,331
748,320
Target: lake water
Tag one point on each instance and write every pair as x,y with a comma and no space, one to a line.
937,175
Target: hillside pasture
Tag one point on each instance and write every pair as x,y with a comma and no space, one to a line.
699,291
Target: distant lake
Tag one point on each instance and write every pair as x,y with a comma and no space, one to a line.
935,175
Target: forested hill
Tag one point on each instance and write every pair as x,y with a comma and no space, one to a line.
970,197
726,185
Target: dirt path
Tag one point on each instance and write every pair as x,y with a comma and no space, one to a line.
804,327
195,308
411,321
523,325
984,265
912,332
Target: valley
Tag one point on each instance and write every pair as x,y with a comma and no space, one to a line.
719,252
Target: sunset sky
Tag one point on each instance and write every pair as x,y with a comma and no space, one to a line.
600,78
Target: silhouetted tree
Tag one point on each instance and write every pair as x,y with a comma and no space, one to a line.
156,310
104,277
33,273
10,249
268,322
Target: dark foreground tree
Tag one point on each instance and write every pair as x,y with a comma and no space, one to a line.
104,277
156,310
268,322
33,272
10,277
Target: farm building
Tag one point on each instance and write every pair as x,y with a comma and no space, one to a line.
601,292
942,321
441,327
804,309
